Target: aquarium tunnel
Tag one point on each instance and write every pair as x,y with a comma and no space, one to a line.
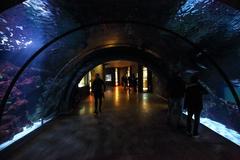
47,46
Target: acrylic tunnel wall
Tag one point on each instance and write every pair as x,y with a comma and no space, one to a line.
170,42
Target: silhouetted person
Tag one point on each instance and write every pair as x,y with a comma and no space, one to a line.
129,83
98,88
134,83
194,104
176,89
124,81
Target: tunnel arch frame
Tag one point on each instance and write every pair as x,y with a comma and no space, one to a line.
156,65
199,51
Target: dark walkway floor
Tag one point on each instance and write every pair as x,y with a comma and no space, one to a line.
131,127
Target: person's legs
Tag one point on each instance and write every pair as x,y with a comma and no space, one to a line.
196,122
170,110
100,104
179,110
189,121
135,88
96,104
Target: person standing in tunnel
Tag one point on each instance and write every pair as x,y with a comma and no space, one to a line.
193,102
124,81
176,90
98,88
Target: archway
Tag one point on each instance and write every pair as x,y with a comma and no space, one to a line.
83,63
79,68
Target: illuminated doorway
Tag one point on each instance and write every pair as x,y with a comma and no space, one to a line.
145,79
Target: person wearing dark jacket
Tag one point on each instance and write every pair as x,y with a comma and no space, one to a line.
98,88
194,104
176,89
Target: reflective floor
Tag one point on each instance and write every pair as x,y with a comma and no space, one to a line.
132,127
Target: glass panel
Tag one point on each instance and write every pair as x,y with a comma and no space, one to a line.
24,29
37,95
220,35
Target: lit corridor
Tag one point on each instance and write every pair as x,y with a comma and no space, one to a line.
131,127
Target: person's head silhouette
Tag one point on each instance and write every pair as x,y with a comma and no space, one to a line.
194,78
97,76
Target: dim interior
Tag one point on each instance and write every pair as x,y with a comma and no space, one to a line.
58,77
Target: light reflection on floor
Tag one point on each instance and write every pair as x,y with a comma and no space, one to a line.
89,109
213,125
117,96
145,104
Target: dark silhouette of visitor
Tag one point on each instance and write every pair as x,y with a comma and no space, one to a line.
132,83
176,89
124,81
98,88
194,104
129,80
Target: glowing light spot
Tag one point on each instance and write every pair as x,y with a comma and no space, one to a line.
9,29
4,39
3,20
18,42
20,27
11,34
28,43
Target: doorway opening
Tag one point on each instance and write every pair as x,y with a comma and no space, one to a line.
128,76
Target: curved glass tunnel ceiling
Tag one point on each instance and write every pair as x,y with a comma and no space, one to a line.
24,28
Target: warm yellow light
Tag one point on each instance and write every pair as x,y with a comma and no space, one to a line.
116,77
81,83
117,96
128,74
90,80
145,80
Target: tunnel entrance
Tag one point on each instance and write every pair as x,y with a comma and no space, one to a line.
148,62
125,75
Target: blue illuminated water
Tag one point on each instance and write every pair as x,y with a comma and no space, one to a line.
26,131
191,6
220,129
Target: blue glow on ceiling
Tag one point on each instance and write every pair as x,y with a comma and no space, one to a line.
29,25
192,6
23,26
13,36
40,7
200,19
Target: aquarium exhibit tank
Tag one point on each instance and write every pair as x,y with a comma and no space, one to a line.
35,98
